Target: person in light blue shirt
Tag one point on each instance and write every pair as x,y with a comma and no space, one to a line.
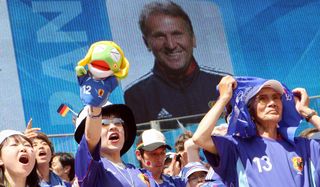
54,181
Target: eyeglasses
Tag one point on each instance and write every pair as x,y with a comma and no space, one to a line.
115,121
194,179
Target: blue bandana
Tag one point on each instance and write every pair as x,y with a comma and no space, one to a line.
240,122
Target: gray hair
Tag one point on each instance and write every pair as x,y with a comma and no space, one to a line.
163,7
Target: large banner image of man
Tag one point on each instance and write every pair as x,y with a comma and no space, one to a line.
180,54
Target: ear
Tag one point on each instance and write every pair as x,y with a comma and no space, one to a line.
138,155
146,43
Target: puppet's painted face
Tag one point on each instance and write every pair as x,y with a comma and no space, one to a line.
105,61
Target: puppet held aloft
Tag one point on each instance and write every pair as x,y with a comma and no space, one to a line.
106,63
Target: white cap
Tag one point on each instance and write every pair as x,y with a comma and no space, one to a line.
6,133
151,139
274,84
191,168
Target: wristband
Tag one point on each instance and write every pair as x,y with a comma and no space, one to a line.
94,116
309,116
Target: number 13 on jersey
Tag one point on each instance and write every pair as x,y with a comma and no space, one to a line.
263,164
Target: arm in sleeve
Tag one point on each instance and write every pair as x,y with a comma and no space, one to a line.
225,162
86,164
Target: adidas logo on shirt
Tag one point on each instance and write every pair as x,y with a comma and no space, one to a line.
164,114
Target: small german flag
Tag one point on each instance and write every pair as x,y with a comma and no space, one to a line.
63,110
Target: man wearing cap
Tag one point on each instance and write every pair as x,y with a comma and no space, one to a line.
260,148
104,135
151,153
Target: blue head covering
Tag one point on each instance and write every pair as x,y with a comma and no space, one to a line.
240,122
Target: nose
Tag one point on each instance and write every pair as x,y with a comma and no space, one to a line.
272,103
201,179
38,147
170,42
23,149
158,158
112,126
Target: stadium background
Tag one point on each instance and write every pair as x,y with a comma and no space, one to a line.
41,42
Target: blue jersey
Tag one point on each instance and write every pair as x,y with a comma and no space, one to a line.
157,95
170,181
212,179
54,181
96,92
94,171
265,162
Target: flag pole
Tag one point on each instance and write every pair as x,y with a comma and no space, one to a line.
182,127
73,112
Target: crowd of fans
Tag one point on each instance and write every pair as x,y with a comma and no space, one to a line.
28,159
254,148
47,168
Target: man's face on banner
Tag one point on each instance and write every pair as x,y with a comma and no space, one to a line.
170,40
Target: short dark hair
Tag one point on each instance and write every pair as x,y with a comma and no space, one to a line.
139,141
167,8
66,159
142,155
44,137
179,144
